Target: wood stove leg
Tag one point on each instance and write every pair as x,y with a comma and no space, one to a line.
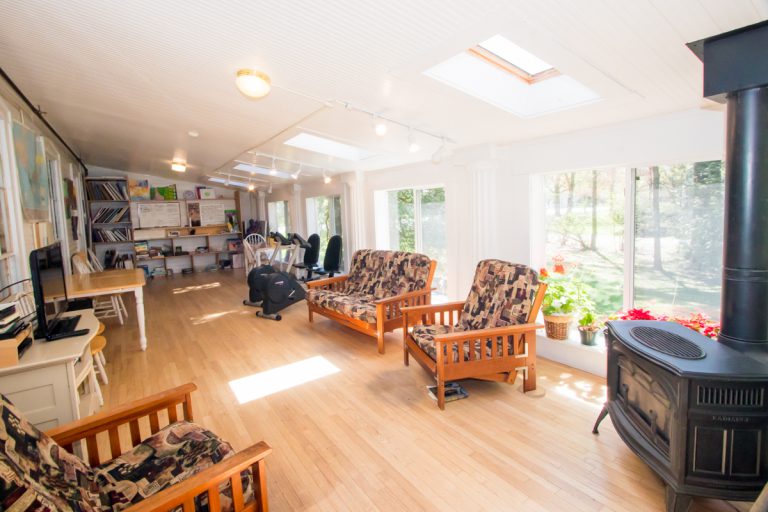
677,502
600,418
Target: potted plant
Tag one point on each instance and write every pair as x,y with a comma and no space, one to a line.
561,301
588,326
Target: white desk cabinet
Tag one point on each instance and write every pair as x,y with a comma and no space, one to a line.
44,385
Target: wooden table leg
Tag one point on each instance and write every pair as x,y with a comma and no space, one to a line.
139,293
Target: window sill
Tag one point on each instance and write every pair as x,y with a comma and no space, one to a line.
572,353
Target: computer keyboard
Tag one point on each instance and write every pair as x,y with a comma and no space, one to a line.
63,326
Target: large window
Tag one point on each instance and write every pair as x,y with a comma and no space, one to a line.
675,244
585,227
417,224
279,219
679,237
324,218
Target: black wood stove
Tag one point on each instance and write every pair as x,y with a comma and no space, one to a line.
695,409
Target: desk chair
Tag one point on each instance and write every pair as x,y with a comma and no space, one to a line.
104,307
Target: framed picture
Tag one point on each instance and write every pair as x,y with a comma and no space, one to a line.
193,214
207,193
189,194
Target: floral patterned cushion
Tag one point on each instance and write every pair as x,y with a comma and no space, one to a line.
354,306
502,294
36,474
174,454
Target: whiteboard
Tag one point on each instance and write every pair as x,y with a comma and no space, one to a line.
211,214
159,215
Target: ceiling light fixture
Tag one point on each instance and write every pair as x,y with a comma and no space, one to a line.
326,178
269,190
178,166
297,173
252,83
273,169
251,186
193,133
442,153
379,126
413,146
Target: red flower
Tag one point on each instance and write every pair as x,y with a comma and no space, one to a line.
543,273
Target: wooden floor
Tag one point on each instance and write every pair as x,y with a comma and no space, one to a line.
368,437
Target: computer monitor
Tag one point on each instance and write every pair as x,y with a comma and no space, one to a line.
47,268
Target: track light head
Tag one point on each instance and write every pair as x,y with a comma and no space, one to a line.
413,146
379,126
273,169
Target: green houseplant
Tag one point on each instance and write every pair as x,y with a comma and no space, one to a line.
588,326
562,300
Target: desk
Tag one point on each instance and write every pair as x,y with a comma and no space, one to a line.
45,382
109,282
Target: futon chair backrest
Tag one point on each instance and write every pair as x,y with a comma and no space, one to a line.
382,274
38,474
502,294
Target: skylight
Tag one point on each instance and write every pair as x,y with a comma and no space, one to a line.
513,54
510,85
256,169
328,147
231,182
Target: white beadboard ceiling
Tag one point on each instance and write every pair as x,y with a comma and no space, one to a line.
124,82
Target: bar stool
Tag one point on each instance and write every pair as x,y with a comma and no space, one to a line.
99,332
97,346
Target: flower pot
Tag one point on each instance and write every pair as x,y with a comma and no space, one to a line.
588,337
557,326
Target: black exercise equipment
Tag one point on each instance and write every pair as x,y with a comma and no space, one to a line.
311,256
273,289
332,259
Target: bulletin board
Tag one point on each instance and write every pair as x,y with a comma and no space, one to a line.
159,215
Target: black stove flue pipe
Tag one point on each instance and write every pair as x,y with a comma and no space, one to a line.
736,71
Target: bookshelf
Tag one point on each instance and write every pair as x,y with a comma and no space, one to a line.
179,248
109,217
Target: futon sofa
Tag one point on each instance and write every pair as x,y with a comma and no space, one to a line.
181,466
370,296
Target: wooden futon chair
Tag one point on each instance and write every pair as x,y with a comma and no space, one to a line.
181,467
490,336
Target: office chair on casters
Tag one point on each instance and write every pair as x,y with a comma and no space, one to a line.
311,256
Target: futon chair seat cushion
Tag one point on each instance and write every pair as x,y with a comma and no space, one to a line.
172,455
360,307
424,335
36,474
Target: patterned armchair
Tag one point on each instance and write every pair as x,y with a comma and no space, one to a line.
370,297
490,336
181,467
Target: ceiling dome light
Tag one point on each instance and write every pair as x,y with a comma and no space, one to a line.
178,166
252,83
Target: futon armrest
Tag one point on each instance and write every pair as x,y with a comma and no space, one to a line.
404,296
390,307
208,481
428,313
100,422
493,332
328,282
433,308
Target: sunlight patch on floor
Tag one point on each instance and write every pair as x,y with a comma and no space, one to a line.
210,317
278,379
577,389
195,288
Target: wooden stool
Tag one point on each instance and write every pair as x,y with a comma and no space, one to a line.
97,346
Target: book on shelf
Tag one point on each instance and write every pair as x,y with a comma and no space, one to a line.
6,310
453,391
111,215
107,191
111,235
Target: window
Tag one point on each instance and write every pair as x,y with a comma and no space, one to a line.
324,218
279,220
679,238
585,226
416,223
675,261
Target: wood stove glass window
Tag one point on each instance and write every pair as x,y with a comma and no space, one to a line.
678,238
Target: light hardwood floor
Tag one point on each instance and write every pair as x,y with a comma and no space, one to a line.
368,437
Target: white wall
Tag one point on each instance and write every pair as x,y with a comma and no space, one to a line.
493,210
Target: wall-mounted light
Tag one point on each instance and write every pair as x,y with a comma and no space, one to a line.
177,166
252,83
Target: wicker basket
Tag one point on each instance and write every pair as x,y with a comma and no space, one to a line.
557,326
